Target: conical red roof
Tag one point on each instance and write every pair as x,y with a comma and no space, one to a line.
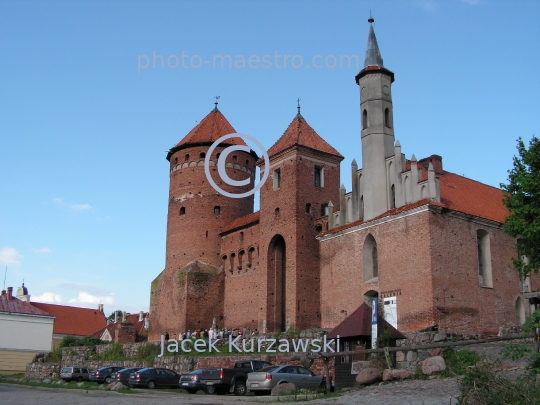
210,129
300,133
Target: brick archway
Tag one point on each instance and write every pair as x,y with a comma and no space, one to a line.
277,282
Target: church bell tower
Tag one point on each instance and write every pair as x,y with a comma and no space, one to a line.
375,82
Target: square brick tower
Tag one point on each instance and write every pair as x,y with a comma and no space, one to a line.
303,179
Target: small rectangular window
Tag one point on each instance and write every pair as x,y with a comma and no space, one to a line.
217,210
277,179
324,210
318,176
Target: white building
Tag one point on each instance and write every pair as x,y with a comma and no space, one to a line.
24,332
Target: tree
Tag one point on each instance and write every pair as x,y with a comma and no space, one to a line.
111,316
522,198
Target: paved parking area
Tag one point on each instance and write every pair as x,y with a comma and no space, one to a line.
416,392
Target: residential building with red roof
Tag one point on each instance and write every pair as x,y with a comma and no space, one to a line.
24,332
407,233
73,321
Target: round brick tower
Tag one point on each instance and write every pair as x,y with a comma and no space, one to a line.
197,213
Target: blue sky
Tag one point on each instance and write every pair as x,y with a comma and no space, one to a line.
84,126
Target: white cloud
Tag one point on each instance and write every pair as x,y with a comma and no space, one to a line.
9,256
73,207
87,298
428,5
47,297
42,250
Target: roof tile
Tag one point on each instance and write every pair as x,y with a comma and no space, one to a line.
73,320
300,132
16,306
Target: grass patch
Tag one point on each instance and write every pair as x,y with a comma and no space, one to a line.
18,379
457,361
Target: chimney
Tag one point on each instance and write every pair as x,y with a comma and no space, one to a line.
141,316
100,308
124,316
146,323
116,316
9,293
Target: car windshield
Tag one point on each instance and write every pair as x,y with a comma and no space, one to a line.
66,370
196,372
268,369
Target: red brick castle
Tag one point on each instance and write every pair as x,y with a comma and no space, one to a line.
427,240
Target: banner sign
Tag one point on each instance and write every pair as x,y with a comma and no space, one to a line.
374,321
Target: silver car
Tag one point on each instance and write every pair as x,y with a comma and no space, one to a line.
262,381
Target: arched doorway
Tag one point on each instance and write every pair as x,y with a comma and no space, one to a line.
277,283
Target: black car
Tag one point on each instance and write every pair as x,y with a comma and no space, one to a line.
192,382
123,375
104,374
153,377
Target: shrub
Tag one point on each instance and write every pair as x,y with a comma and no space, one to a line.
457,361
148,350
116,352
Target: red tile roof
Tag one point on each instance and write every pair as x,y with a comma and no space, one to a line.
472,197
73,320
16,306
359,324
131,318
242,222
209,130
300,132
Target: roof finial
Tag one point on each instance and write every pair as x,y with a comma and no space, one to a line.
298,107
216,103
370,19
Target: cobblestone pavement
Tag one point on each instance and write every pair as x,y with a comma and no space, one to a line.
421,392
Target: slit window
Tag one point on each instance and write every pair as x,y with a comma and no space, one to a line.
277,179
308,208
183,211
318,179
364,120
217,210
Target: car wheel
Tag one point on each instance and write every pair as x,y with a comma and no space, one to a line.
107,380
191,391
210,389
151,384
240,388
79,379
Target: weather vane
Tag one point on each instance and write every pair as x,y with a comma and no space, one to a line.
217,98
298,101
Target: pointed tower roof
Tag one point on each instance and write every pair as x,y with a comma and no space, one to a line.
207,131
373,55
300,133
373,61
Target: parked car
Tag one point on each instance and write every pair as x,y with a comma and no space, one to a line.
123,375
192,382
104,374
264,380
75,373
222,380
154,377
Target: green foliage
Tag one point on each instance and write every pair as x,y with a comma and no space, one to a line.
532,322
457,361
522,198
116,352
118,312
293,332
514,352
482,386
71,341
148,350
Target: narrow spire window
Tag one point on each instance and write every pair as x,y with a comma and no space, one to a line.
387,118
364,120
393,196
